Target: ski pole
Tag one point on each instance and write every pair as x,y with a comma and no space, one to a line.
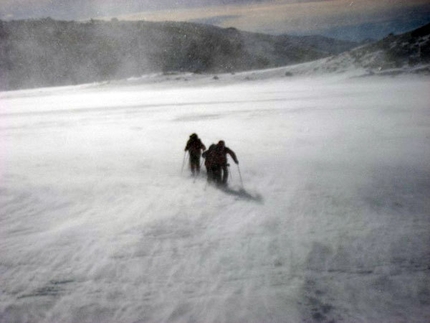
240,175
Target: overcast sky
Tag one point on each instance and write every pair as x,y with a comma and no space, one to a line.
346,19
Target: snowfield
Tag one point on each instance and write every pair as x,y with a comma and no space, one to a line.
332,224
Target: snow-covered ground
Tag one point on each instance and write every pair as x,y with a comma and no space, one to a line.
332,224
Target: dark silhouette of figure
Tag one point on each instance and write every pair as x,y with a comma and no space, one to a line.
216,162
195,147
209,162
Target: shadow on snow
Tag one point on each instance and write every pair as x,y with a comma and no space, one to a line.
242,194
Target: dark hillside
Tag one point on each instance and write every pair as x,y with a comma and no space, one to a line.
395,54
36,53
397,51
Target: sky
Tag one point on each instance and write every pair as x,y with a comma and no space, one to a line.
344,19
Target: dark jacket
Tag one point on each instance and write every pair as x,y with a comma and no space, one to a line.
217,156
194,146
207,155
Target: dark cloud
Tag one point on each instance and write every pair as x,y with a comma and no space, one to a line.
350,20
85,9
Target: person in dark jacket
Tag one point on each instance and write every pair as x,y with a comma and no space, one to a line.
216,162
195,147
209,164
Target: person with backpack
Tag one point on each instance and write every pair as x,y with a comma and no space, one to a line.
209,162
195,147
216,162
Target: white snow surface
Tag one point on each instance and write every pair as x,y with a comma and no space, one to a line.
99,223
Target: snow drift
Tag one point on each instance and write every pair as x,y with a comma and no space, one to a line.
97,223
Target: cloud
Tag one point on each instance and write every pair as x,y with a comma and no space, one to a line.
84,9
352,20
266,16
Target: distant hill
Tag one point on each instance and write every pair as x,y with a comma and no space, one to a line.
395,54
46,52
406,50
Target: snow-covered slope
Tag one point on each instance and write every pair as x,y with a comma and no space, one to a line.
99,224
408,53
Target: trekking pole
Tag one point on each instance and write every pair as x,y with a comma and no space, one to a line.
183,162
240,175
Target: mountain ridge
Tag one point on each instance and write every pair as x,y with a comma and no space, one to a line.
47,52
407,53
44,53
